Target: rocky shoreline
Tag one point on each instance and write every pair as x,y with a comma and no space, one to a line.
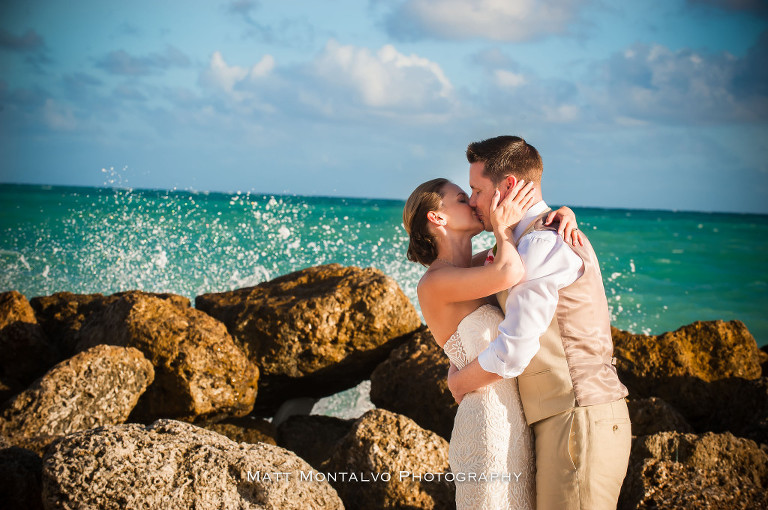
138,399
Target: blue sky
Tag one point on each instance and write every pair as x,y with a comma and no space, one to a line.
654,104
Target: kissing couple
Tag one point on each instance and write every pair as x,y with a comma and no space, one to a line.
542,422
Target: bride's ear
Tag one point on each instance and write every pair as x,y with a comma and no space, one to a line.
435,218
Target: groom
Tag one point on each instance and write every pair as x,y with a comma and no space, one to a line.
556,339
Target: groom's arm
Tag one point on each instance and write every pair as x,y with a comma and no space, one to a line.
550,265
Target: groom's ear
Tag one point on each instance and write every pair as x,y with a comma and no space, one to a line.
507,184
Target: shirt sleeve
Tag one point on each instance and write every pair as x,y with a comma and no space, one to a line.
550,265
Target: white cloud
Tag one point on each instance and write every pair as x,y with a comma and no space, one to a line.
58,116
509,79
385,80
501,20
221,75
657,83
561,114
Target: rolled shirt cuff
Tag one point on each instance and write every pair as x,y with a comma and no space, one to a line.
490,362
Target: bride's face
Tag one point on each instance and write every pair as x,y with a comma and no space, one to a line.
459,215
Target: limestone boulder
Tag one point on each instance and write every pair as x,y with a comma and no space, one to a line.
652,415
407,462
96,387
63,314
312,437
413,381
709,371
201,373
317,331
248,429
708,351
675,471
20,479
176,465
26,352
36,444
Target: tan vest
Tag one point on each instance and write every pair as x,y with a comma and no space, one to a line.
574,364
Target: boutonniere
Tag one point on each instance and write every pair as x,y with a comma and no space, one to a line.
491,255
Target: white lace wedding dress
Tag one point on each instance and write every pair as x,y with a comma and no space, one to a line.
490,435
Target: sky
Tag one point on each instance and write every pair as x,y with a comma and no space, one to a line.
659,104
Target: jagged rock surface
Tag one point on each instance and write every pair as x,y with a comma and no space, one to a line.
96,387
675,471
312,437
26,352
385,442
413,382
175,465
63,314
201,373
317,331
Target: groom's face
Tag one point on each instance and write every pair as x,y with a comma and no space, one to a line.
482,193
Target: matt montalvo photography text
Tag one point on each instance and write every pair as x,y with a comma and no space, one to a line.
384,476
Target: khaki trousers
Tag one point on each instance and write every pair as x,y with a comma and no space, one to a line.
582,456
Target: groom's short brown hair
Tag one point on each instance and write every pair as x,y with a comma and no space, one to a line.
507,155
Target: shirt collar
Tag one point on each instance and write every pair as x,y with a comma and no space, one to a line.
530,215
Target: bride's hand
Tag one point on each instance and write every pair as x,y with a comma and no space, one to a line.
508,211
568,228
452,370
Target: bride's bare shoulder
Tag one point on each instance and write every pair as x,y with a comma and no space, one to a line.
427,281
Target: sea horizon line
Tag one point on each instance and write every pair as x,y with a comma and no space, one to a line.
333,197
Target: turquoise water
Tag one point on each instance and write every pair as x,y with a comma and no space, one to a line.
661,269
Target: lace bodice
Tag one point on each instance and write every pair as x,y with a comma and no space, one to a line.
473,334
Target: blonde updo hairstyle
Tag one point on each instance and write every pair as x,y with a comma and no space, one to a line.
422,245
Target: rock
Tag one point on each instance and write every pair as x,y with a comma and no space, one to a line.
36,444
248,429
312,437
736,405
317,331
709,371
382,442
20,479
26,352
14,308
652,415
680,471
764,360
709,351
63,314
413,382
97,387
175,465
200,371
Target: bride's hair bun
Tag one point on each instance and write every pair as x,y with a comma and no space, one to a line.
422,246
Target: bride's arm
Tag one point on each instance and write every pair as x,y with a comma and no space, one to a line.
568,227
455,284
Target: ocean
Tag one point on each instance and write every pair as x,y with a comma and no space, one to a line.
661,269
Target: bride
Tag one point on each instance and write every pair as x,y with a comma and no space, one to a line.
491,449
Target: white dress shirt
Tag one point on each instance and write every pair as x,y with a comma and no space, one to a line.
550,265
